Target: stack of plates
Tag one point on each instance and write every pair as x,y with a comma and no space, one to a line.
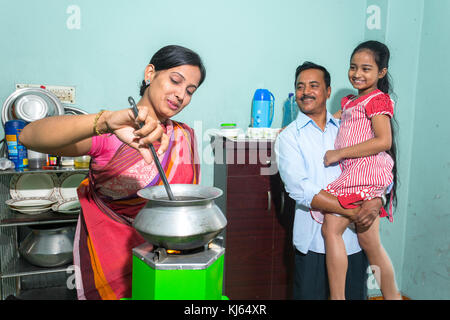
32,193
30,205
66,193
35,193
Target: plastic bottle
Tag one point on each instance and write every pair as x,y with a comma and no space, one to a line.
17,153
290,110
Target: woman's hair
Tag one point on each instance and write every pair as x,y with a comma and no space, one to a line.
173,56
381,55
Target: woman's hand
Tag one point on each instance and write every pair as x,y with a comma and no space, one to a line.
124,125
331,156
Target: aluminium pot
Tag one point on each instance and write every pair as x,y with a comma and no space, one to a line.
48,245
190,221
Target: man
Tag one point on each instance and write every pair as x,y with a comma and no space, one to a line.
300,149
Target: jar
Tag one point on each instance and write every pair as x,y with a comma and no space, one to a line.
67,161
82,162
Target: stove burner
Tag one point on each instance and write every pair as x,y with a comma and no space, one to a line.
186,251
162,253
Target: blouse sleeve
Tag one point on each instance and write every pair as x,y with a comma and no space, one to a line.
104,147
380,104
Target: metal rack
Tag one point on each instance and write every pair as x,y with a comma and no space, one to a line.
12,266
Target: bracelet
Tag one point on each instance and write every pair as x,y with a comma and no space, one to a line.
97,132
383,200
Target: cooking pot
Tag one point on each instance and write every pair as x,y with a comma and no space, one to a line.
48,245
190,221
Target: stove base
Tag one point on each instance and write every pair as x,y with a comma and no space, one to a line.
183,280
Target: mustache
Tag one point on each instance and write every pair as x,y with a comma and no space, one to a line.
307,97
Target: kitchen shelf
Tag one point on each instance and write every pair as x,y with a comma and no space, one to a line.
14,268
50,217
53,169
19,268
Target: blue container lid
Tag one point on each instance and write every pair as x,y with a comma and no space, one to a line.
16,123
262,94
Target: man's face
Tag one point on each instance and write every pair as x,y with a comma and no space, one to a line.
311,92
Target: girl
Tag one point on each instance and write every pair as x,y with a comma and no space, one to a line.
364,148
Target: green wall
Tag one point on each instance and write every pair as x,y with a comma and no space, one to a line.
258,44
426,264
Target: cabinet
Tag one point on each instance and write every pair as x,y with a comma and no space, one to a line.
258,238
16,275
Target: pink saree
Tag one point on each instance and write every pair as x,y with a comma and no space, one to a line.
105,236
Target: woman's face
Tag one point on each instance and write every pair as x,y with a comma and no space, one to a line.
171,90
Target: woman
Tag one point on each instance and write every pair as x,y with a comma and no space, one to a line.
121,164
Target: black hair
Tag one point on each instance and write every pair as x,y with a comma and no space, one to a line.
173,56
310,65
381,56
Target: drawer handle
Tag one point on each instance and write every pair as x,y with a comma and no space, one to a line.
269,200
282,203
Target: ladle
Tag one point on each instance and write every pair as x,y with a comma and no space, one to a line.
162,174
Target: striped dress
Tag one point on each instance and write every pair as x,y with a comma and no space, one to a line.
366,177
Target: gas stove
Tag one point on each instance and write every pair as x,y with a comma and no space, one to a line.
164,274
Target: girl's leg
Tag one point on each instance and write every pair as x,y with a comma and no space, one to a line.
336,256
369,240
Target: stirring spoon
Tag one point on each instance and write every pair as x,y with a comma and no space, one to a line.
162,174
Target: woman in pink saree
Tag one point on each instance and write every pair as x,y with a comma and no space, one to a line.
121,164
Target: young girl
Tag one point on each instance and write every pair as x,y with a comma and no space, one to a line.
364,148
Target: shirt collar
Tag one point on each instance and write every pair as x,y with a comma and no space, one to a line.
302,120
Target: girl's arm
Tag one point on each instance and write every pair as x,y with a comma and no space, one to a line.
382,141
326,202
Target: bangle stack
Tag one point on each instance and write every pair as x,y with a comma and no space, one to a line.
98,132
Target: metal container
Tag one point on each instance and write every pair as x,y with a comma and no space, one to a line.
48,245
189,221
31,104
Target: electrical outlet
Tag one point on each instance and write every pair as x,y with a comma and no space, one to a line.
64,93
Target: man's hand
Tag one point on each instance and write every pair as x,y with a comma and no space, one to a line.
369,211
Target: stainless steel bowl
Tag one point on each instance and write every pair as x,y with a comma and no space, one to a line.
189,222
31,104
48,245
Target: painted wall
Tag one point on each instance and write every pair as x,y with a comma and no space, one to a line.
245,45
403,24
426,264
102,47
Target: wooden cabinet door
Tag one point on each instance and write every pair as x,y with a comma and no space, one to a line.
249,242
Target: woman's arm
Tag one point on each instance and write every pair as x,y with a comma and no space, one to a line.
382,141
71,135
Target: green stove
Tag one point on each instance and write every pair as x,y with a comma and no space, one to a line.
162,274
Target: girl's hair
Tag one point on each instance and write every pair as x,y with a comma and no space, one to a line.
173,56
381,55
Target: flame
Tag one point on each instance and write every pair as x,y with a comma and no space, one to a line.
170,251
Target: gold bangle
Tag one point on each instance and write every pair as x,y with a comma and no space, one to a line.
97,132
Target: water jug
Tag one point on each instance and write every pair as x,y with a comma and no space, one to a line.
290,110
262,108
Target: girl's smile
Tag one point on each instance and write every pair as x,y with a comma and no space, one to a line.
363,72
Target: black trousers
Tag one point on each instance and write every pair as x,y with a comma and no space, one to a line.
311,279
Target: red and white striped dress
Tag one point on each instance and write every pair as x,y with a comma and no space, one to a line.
366,177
